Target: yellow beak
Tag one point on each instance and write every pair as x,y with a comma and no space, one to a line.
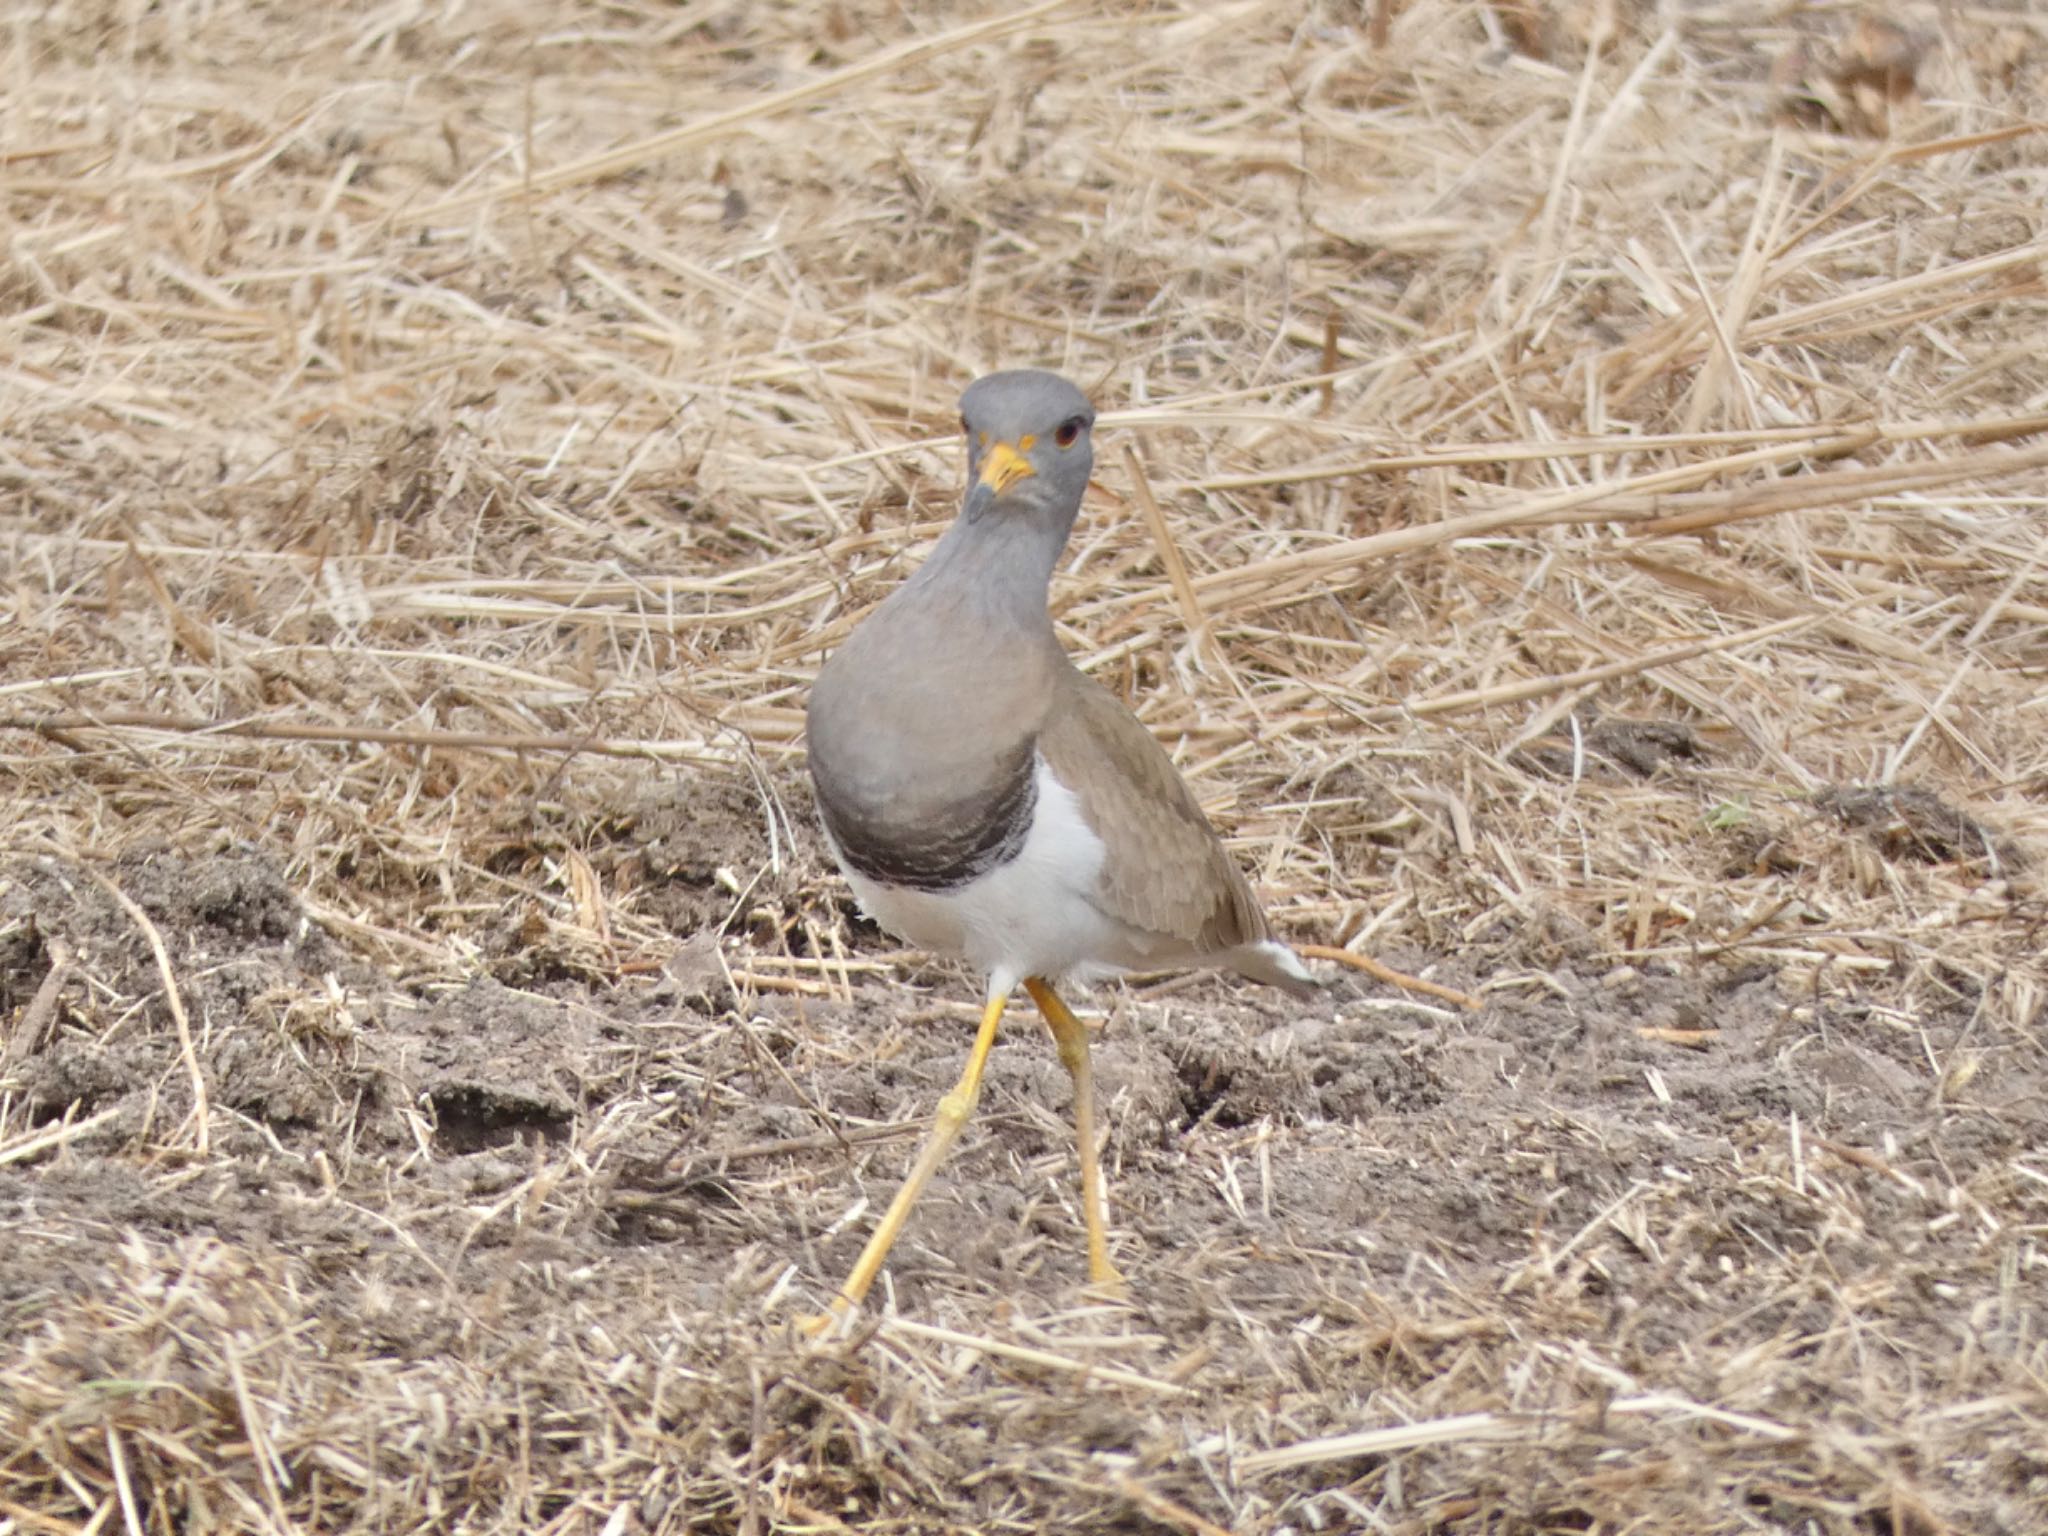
1003,466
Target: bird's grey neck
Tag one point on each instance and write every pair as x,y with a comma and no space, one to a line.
999,564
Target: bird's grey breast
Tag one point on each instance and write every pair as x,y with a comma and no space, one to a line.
923,753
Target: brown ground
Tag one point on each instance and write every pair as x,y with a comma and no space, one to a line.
1606,445
1355,1211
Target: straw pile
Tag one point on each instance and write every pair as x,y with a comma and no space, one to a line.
1600,560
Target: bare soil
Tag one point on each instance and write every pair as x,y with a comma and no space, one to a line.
1361,1198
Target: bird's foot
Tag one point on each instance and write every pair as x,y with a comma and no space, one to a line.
1107,1281
822,1325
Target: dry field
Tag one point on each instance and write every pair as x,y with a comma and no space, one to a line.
1600,563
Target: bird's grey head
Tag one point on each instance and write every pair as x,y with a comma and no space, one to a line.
1029,444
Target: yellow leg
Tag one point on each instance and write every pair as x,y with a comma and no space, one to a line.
953,1112
1072,1038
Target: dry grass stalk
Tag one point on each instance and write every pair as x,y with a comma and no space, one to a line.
201,1115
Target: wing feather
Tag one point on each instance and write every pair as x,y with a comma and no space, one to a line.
1165,871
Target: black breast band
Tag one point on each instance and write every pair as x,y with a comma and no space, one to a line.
946,846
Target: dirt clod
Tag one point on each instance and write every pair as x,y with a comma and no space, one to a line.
1911,823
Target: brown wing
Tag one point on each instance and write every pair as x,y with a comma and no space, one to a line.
1166,872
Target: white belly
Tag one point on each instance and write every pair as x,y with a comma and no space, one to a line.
1034,916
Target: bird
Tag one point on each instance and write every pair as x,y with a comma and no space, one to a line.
989,802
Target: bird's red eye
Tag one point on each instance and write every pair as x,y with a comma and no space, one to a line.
1069,430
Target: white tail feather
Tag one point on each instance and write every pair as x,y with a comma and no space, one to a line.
1272,962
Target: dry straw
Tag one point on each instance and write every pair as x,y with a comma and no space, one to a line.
1576,505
